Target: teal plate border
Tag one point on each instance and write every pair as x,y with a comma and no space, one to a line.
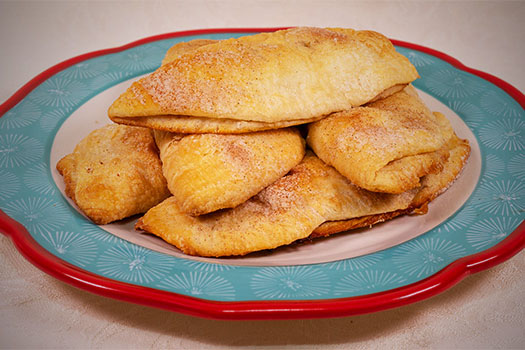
487,229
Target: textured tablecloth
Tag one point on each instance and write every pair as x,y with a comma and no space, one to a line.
486,310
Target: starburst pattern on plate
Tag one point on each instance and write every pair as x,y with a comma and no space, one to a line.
36,213
368,281
488,232
284,282
470,113
516,166
50,119
426,256
60,92
452,84
132,263
23,114
504,134
107,79
463,218
9,184
19,150
99,234
352,264
502,197
417,59
72,246
200,284
163,45
500,104
495,167
208,267
140,59
37,179
85,69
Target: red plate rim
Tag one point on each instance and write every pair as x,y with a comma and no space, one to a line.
244,310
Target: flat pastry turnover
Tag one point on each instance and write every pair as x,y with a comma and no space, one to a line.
199,125
284,76
208,172
113,173
386,146
432,185
285,211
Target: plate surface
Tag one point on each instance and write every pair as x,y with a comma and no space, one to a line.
474,225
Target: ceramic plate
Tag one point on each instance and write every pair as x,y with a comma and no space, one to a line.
476,224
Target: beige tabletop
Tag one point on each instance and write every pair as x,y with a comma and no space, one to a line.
486,310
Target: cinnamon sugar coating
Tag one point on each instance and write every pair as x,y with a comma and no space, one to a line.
113,173
385,146
208,172
300,73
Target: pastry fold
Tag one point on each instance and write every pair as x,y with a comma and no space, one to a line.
202,125
386,146
208,172
113,173
432,185
284,76
287,210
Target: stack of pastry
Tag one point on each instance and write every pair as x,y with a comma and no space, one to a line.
248,144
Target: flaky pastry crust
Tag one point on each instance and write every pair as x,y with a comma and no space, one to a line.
208,172
113,173
385,146
299,73
432,186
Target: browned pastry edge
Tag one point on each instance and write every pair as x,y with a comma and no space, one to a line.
331,227
419,206
201,125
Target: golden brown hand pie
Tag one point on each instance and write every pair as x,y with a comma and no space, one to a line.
386,146
287,210
208,172
288,75
200,125
113,173
432,185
